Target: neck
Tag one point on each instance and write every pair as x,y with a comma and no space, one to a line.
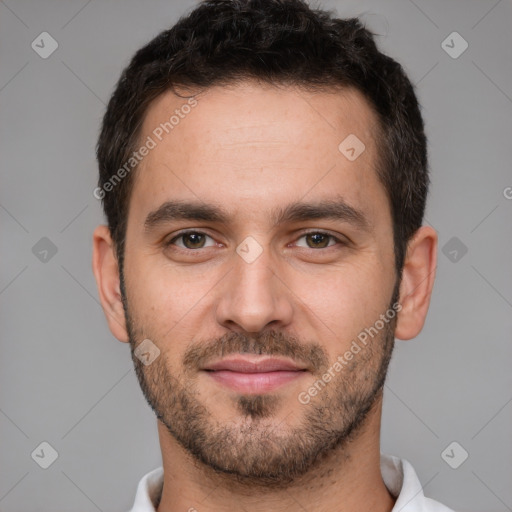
347,480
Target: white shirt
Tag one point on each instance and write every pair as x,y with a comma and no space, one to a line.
398,475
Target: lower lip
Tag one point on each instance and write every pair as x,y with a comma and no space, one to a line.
254,382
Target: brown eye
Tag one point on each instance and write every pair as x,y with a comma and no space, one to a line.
190,240
319,240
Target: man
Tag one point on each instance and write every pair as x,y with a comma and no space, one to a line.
263,171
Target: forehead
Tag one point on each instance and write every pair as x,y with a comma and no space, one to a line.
251,146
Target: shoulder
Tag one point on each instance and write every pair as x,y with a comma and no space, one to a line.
403,483
148,491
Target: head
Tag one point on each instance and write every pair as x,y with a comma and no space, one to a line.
293,154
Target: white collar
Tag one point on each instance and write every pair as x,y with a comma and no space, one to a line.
398,476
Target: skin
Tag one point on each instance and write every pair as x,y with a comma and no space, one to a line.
250,148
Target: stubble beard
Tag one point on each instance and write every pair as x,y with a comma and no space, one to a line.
255,449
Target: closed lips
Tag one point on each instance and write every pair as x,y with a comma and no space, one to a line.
250,366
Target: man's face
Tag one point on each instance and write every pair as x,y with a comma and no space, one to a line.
262,289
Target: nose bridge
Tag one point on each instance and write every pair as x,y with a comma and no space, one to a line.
253,296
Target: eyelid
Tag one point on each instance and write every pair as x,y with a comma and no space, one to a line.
339,239
184,232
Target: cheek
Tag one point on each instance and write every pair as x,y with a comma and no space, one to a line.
344,301
162,298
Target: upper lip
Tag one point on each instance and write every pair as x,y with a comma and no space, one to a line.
259,364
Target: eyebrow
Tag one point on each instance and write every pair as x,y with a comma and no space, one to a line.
335,209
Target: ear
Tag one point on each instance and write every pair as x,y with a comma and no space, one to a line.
106,272
417,282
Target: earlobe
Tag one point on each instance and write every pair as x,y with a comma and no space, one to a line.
417,282
106,272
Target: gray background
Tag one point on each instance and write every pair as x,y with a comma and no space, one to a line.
65,380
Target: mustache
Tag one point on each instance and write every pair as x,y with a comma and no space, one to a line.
271,343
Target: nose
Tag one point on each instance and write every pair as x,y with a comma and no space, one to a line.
254,295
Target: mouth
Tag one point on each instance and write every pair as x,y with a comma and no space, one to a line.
254,374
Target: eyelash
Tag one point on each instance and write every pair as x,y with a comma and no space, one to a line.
181,234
